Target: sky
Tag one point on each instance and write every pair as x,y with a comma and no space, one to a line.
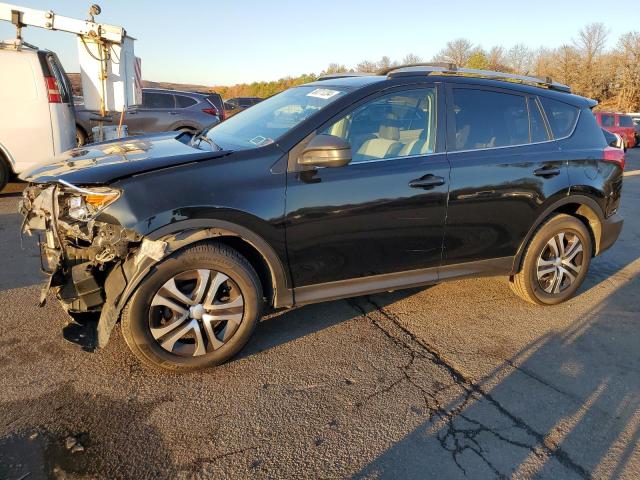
223,42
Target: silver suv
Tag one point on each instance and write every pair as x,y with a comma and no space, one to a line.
161,111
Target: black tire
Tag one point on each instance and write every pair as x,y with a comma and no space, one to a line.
5,173
526,283
81,137
137,316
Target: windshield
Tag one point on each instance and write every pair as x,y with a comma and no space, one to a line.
267,121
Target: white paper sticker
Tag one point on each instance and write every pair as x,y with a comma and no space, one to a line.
323,93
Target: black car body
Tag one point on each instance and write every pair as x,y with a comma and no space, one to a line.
161,110
461,199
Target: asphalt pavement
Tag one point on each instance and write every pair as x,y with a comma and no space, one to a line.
459,380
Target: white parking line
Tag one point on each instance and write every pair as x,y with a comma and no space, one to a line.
631,173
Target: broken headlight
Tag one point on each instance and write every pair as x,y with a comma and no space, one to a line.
84,204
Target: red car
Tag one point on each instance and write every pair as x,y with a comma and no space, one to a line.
618,123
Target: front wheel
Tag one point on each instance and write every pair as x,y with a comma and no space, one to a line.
555,262
197,309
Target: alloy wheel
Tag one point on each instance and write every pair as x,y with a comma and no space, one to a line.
560,262
196,312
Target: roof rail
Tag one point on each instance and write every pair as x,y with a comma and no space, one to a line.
332,76
440,65
452,69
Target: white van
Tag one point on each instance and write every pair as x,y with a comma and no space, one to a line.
37,119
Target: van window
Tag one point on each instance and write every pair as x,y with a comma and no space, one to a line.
487,119
561,116
64,87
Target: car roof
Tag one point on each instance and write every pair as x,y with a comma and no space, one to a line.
532,85
170,90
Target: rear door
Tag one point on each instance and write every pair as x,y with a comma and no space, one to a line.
504,167
25,122
156,114
63,119
385,211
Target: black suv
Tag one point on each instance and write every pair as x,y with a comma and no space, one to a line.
342,187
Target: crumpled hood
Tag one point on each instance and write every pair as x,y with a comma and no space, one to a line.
105,162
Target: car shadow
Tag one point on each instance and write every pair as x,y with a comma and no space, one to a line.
289,325
565,406
19,255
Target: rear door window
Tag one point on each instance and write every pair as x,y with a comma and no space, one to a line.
488,119
182,101
561,116
157,100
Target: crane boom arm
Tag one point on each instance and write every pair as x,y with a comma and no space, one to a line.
30,17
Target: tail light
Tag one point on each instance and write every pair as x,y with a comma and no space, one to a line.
211,111
614,155
52,90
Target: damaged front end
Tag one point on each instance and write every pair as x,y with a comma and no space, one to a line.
83,249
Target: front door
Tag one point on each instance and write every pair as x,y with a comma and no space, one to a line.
385,211
156,114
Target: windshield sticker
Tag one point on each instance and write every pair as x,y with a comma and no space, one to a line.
323,93
261,141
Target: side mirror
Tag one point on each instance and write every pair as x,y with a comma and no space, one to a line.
326,151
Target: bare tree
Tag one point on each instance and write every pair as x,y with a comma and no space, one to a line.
334,68
627,68
385,63
519,58
411,58
367,66
457,51
496,59
590,45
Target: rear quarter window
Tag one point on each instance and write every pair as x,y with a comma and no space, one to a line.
562,117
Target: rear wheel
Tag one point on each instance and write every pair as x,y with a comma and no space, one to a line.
555,263
5,174
81,137
197,309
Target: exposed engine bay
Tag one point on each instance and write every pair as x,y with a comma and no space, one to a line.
83,250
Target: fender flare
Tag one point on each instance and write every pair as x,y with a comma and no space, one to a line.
593,213
125,277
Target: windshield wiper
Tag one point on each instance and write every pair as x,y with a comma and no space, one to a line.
202,136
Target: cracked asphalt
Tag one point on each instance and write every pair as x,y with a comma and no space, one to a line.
459,380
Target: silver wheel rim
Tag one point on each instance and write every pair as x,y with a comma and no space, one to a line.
560,262
196,312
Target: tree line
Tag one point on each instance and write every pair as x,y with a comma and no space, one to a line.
609,75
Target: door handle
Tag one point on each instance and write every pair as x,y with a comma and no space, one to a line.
173,113
427,182
547,171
